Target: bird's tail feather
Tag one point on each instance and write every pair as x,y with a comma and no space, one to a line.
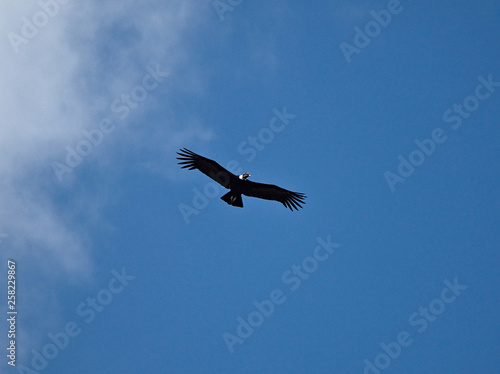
233,199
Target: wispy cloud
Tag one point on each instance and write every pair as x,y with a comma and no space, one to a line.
63,81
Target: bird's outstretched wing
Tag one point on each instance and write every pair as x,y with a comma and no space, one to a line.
191,161
289,199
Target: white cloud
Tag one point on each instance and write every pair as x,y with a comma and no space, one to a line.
63,80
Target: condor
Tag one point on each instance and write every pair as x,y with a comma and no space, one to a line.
239,185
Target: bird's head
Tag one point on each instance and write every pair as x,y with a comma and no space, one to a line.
244,176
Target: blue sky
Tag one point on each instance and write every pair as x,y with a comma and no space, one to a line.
391,131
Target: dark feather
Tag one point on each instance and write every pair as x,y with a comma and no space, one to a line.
291,200
191,160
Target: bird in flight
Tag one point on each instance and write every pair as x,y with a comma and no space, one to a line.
239,185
